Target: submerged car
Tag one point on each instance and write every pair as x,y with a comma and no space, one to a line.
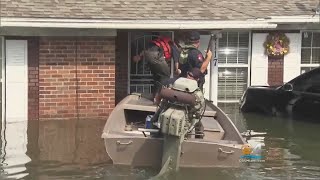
298,97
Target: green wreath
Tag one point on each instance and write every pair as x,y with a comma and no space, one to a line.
276,44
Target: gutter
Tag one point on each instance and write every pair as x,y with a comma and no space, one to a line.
271,22
134,24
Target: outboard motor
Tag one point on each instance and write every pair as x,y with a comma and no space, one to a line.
184,106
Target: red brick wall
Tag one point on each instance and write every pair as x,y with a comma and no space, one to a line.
275,71
33,77
121,65
76,77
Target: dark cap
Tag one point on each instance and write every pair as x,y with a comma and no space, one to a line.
195,73
194,36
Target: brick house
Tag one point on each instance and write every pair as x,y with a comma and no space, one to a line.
68,59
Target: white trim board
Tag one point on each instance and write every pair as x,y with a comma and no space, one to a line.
256,23
135,24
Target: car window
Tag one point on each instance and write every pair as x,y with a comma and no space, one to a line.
308,82
300,83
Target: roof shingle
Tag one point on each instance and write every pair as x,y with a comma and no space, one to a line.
156,9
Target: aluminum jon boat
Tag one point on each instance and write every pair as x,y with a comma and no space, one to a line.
127,144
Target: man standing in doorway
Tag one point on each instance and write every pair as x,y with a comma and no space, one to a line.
158,56
191,57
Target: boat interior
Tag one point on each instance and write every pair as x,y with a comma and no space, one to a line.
129,117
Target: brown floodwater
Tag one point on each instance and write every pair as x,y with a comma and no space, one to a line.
74,150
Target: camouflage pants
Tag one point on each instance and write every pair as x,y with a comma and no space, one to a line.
158,67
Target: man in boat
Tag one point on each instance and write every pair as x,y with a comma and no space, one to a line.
158,55
195,112
191,57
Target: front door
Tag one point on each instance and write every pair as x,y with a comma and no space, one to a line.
16,81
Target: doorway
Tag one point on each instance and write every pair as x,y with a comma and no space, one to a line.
140,77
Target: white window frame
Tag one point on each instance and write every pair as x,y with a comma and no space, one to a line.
307,65
248,65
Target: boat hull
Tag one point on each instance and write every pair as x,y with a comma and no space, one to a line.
147,152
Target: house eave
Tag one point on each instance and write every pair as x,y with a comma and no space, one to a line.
134,24
294,19
270,22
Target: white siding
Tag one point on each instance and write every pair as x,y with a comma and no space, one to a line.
291,66
259,63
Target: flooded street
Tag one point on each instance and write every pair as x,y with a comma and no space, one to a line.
74,150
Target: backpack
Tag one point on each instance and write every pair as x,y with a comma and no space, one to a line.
163,42
184,54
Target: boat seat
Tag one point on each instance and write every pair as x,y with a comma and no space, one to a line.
140,107
210,124
212,129
141,101
209,113
144,131
141,104
153,108
149,130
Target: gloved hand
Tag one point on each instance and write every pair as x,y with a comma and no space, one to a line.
136,58
178,72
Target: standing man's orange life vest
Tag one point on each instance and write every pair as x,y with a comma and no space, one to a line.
163,42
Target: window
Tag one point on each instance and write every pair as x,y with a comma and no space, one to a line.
232,82
234,48
310,51
233,57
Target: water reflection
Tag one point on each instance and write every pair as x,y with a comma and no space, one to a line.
13,149
58,146
75,150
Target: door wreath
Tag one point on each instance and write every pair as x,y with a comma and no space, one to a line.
276,44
